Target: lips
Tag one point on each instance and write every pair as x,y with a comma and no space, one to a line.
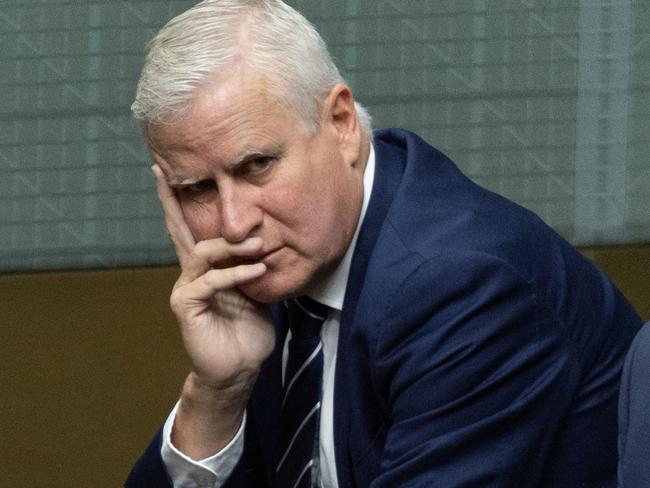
267,255
260,258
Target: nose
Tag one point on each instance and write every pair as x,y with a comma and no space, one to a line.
241,217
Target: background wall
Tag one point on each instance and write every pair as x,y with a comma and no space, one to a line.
90,364
546,102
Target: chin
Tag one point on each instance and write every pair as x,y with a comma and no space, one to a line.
269,288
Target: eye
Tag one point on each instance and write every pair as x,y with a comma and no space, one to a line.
258,165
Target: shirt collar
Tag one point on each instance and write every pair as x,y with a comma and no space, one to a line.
331,290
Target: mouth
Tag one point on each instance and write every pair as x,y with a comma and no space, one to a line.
260,258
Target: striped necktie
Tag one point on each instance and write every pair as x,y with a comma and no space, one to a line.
301,401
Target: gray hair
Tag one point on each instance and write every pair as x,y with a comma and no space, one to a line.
215,36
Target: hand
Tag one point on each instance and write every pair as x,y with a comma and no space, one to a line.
226,335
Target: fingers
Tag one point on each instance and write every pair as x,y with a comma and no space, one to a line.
207,285
197,258
178,230
217,252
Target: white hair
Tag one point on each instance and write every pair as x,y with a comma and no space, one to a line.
215,36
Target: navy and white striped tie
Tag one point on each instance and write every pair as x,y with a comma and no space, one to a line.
300,413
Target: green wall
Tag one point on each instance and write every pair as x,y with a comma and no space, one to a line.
545,102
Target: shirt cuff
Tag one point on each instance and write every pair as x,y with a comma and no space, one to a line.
210,472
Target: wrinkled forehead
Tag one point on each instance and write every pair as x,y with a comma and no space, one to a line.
239,108
225,121
237,104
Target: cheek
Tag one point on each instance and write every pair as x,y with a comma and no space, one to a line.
202,220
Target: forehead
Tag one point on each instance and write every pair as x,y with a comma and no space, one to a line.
225,119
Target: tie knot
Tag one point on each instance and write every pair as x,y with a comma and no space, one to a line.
306,316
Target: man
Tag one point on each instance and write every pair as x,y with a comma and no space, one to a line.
466,344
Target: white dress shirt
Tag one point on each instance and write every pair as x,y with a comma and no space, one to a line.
213,471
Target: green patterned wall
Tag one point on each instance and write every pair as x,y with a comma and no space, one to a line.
545,102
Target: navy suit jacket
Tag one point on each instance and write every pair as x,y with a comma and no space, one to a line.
477,347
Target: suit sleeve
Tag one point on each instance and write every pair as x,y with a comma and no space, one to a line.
150,471
476,374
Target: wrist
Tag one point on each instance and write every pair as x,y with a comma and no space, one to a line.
208,417
222,399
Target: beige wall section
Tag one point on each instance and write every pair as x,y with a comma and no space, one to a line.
91,363
629,267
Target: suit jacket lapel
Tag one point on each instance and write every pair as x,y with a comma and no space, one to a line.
388,171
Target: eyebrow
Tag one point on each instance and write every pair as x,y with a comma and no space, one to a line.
242,157
182,181
252,152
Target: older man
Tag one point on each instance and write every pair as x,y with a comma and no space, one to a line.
448,337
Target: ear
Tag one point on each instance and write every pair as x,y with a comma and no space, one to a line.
341,119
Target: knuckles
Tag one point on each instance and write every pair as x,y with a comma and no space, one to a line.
176,300
211,251
201,251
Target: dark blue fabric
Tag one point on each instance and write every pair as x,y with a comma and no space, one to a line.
477,347
634,415
149,471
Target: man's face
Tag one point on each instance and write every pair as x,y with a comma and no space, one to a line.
243,166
